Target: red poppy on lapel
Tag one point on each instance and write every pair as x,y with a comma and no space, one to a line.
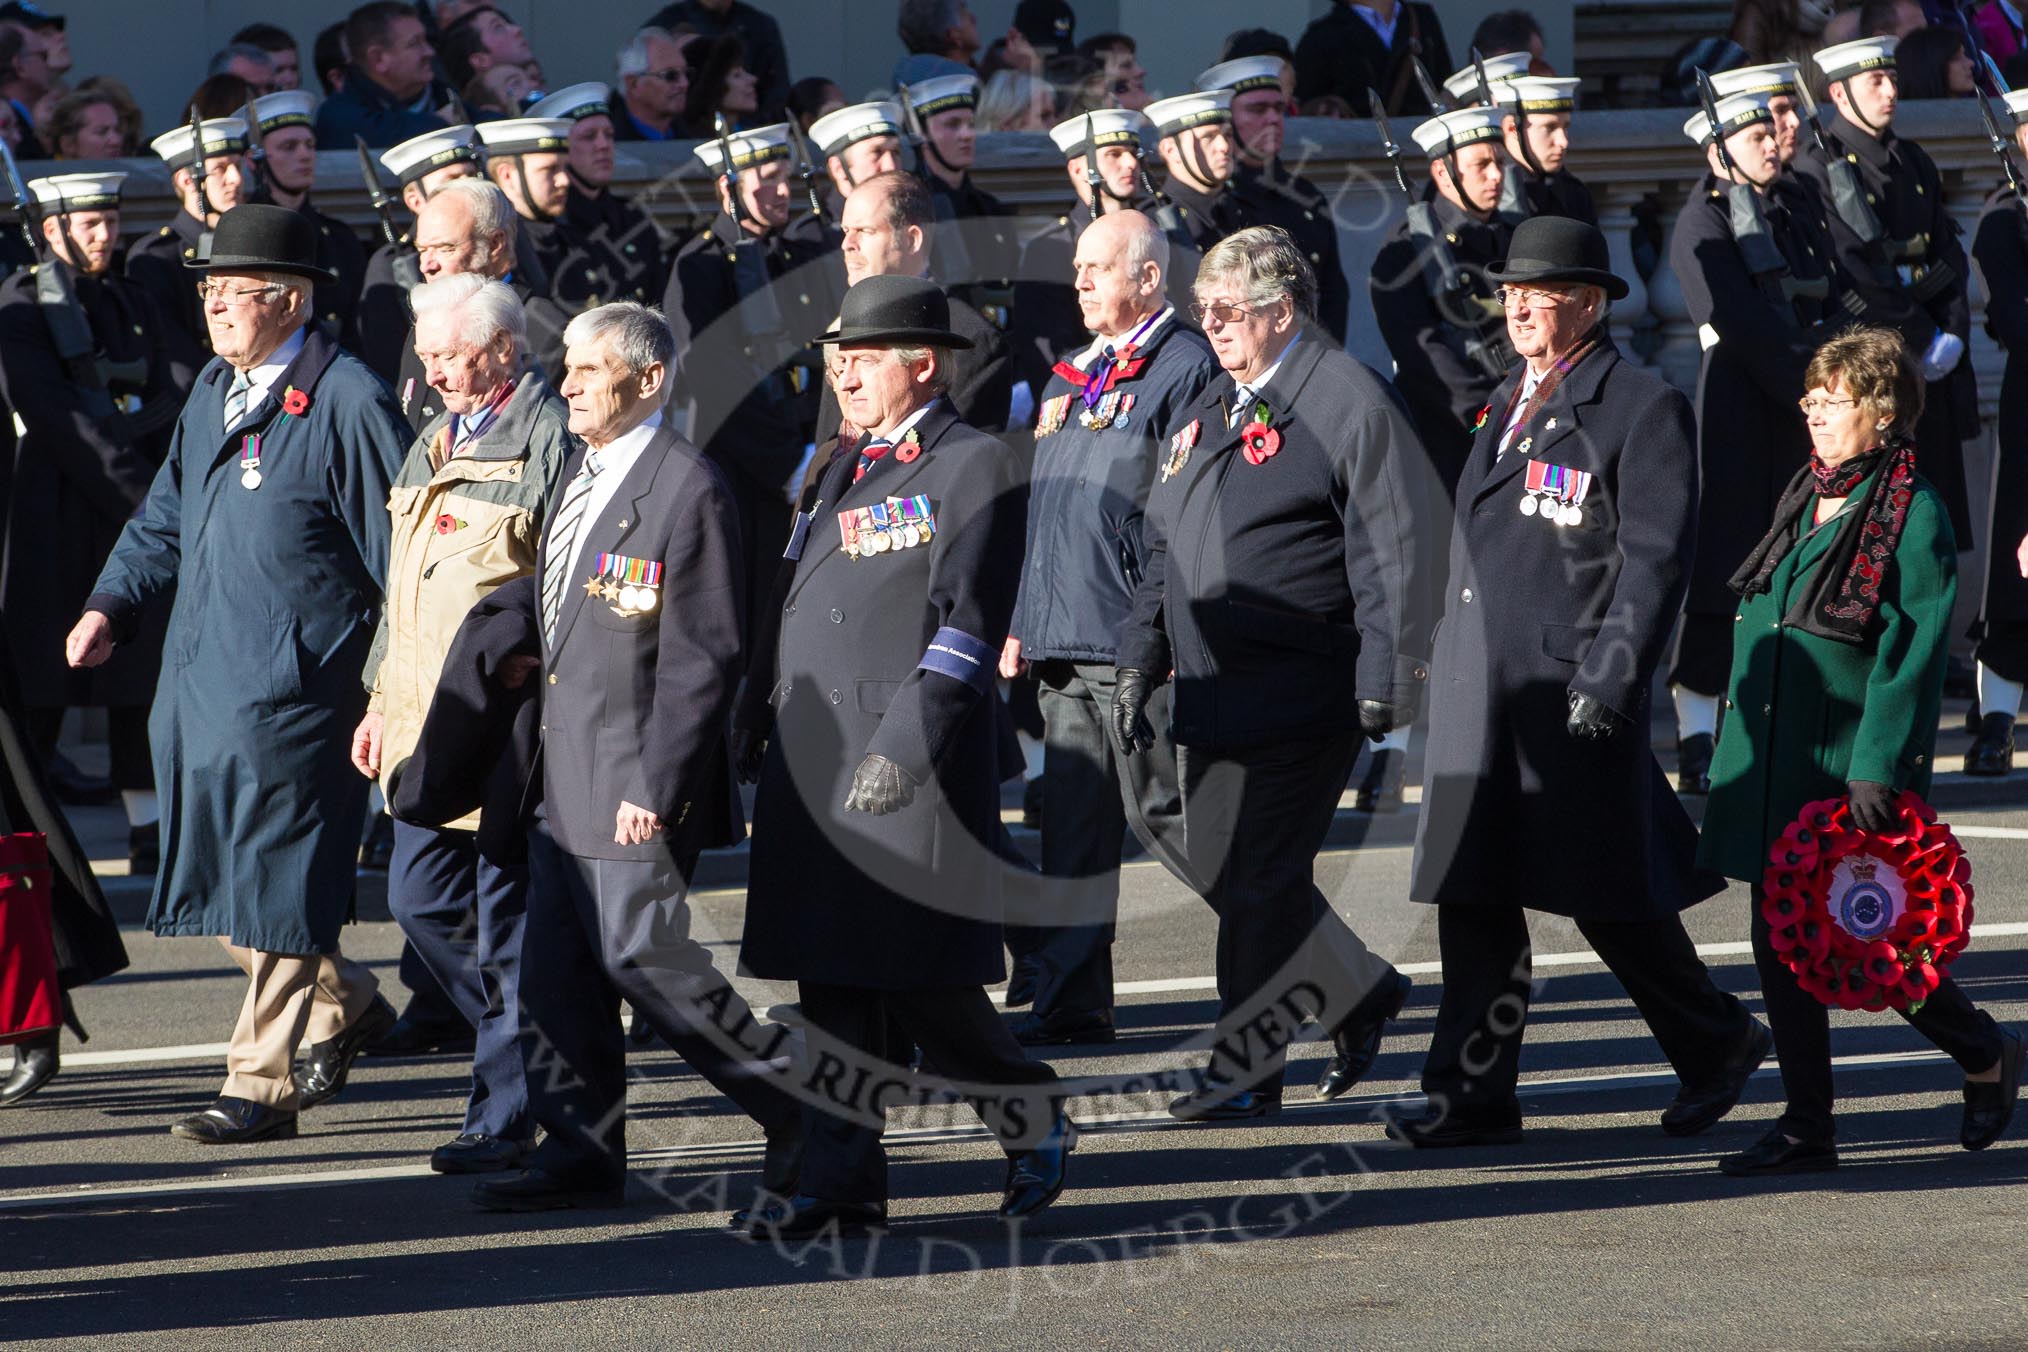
910,448
1480,421
1258,441
448,523
295,403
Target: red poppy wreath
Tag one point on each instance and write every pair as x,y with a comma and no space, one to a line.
1868,921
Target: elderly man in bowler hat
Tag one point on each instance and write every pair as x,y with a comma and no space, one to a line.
868,721
1576,514
268,522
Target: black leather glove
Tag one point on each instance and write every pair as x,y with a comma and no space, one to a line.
1873,807
1590,720
749,749
879,786
1132,732
1377,718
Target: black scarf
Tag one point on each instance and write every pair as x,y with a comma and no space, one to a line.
1841,602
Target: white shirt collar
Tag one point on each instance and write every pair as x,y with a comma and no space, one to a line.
1260,382
901,428
616,461
1383,27
262,378
1140,335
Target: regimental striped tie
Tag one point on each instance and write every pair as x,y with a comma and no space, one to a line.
563,535
236,398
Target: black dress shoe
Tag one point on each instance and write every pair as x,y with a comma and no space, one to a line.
1993,752
410,1037
35,1065
1035,1177
1775,1153
1990,1107
235,1121
1222,1103
1693,763
1695,1110
805,1217
326,1064
782,1159
1031,804
376,852
1021,983
538,1190
1065,1030
475,1153
144,850
1357,1042
1380,791
1972,718
1442,1131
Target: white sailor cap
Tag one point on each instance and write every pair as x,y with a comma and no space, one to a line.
222,136
1109,127
750,149
1852,58
1189,110
290,108
941,93
524,135
1736,112
1464,86
425,154
861,122
1246,74
1769,81
1537,94
78,192
589,99
2017,103
1461,127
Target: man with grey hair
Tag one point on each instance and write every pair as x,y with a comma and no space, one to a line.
248,63
1097,444
276,564
756,30
467,511
654,83
1285,589
634,609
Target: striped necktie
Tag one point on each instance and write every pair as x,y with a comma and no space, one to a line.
236,399
869,455
1242,404
563,533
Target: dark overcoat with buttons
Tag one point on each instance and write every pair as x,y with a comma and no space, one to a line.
624,239
156,263
635,707
1758,338
1282,593
859,662
1806,715
339,250
275,594
1516,811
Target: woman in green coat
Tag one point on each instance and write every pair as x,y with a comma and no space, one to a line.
1837,677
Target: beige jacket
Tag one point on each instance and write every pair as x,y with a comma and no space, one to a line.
462,528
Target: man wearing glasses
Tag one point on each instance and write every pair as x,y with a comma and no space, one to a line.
1282,584
654,84
268,525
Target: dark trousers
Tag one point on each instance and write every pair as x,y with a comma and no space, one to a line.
429,1003
962,1037
1802,1034
1256,818
1475,1055
765,521
603,930
1703,657
464,917
1091,796
130,766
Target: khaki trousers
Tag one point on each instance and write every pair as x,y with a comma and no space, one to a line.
290,998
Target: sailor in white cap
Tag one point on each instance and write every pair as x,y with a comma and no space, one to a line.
1754,260
1194,136
1536,130
420,165
943,107
619,235
528,159
156,262
1104,144
83,472
1049,297
858,142
1473,84
1268,193
745,297
287,170
1898,243
1775,85
2001,247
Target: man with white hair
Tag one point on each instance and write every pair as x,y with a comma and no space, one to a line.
268,523
636,605
654,83
467,512
420,166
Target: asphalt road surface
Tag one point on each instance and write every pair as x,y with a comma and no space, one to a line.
1307,1230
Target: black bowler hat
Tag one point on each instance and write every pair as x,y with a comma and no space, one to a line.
1557,249
262,238
903,311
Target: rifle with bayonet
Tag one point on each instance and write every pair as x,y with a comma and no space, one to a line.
1848,194
1094,182
806,170
1763,257
2000,142
760,315
407,267
197,180
1431,90
256,156
1512,207
1450,289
